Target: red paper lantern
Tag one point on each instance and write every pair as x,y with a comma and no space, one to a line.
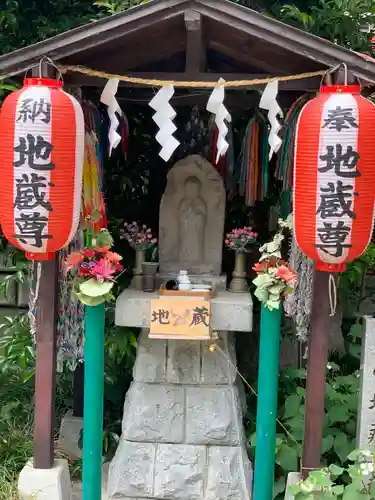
42,149
334,177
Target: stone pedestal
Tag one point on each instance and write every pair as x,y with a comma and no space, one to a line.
182,434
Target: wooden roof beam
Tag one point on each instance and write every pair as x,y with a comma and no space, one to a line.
195,45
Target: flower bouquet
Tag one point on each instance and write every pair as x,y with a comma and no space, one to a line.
238,239
138,237
275,278
93,270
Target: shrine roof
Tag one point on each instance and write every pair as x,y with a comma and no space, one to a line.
193,39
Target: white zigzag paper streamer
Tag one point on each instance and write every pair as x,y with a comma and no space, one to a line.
108,97
216,106
163,119
268,101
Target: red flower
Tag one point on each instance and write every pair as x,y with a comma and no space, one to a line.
286,274
101,249
89,253
260,267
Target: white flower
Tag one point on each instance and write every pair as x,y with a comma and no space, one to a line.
367,468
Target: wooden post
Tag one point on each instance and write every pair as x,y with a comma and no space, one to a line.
195,47
45,379
46,329
318,346
316,373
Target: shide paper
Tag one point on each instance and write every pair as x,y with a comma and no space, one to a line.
108,98
164,120
268,101
216,106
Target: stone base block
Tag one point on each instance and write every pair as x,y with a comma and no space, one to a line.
179,472
293,478
182,414
70,431
51,484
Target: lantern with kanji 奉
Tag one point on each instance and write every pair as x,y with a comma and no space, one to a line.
334,177
41,161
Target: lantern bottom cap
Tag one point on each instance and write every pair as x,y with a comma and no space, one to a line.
40,256
330,268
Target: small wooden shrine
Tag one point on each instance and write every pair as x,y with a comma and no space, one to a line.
182,428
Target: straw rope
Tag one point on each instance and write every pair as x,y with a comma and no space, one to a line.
188,84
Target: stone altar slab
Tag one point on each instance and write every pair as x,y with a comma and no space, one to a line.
230,311
191,223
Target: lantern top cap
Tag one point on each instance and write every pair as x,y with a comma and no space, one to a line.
340,89
42,82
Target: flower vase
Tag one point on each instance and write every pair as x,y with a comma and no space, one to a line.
238,283
137,282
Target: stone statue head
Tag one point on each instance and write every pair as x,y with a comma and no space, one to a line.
192,187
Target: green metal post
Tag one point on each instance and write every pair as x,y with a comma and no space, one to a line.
93,402
268,373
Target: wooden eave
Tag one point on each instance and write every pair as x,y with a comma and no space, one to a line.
156,30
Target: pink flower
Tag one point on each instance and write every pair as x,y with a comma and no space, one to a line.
231,244
101,271
153,241
73,260
113,257
285,274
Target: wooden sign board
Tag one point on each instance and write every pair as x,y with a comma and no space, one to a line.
180,318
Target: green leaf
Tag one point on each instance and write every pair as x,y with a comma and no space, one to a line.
338,413
272,304
261,294
279,487
292,405
356,331
287,458
342,446
338,490
327,443
93,288
90,301
336,470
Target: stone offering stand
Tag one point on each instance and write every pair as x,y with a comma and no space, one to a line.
182,433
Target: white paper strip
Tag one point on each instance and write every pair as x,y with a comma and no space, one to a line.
163,119
268,101
108,97
215,105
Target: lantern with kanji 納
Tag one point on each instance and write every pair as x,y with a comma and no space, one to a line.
42,149
334,177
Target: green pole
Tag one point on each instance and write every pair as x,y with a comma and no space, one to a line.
268,373
93,402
